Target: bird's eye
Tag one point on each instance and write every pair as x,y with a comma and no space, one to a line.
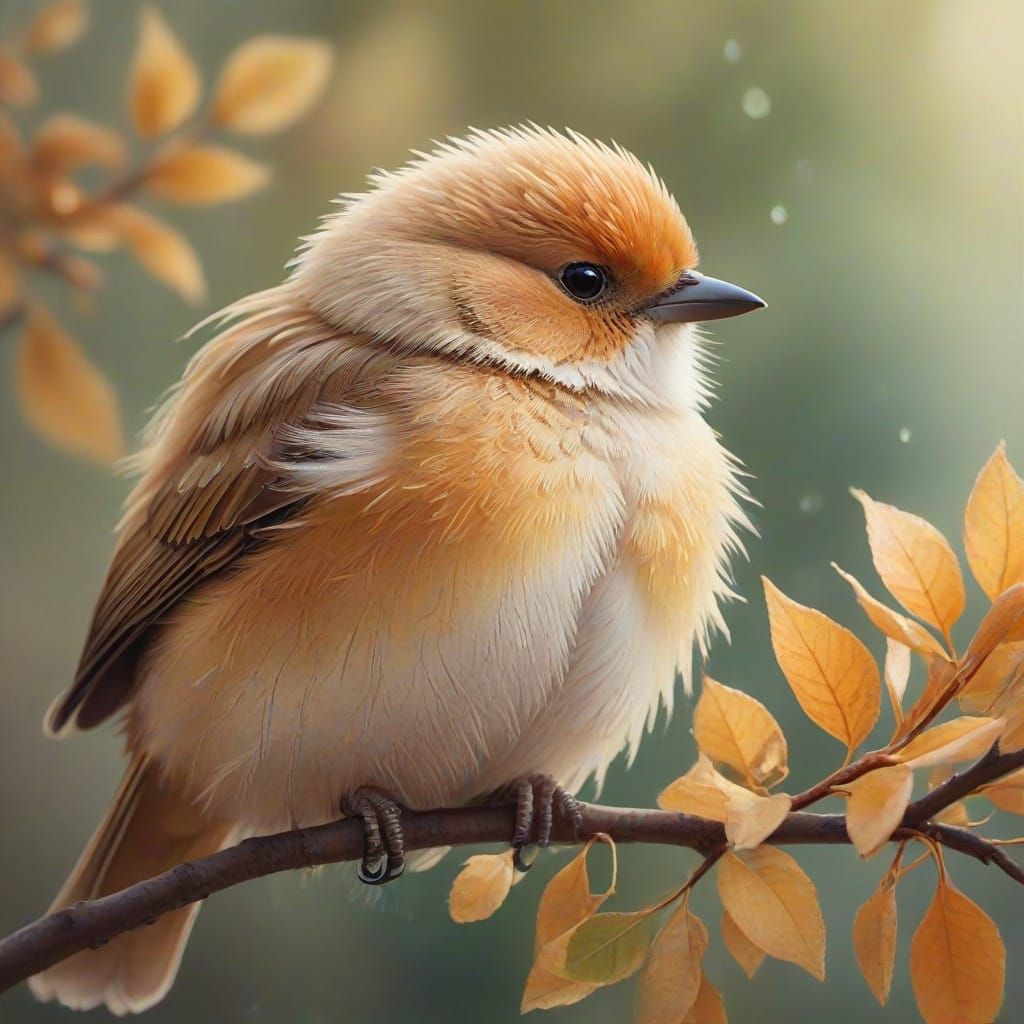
583,281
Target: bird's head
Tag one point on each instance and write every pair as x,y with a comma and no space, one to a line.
541,252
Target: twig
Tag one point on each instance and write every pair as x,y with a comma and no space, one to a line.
87,925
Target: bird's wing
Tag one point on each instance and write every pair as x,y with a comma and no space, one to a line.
236,451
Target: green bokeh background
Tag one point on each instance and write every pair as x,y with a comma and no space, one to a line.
890,358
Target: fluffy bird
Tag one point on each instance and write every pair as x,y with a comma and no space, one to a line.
436,519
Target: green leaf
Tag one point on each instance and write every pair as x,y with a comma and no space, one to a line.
610,947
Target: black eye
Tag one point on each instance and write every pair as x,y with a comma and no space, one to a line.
583,281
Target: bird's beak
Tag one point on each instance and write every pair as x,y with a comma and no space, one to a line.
697,297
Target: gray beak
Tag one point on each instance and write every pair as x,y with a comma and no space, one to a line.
697,298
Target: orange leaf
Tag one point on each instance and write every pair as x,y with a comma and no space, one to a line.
897,674
915,562
688,796
874,940
672,977
988,682
64,397
66,142
732,727
269,82
994,526
830,671
10,282
937,687
18,85
957,961
961,739
708,1009
162,251
775,905
742,950
1001,622
876,805
892,624
480,887
165,84
1007,793
56,27
206,174
750,819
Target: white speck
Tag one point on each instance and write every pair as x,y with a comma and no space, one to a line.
905,435
779,215
756,103
811,503
732,51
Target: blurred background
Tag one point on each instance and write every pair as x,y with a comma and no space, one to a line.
859,165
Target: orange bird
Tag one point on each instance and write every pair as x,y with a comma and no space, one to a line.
439,518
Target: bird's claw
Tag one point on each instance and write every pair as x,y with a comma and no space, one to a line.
384,850
536,798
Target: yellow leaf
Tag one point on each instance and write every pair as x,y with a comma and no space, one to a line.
269,82
994,526
995,674
876,805
162,251
775,905
915,562
567,901
609,947
961,739
165,84
830,671
957,961
897,674
480,887
66,142
206,174
671,980
688,796
874,940
892,624
1007,793
1001,623
708,1009
742,950
750,819
18,85
732,727
56,27
64,397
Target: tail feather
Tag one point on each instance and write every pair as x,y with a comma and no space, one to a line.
147,830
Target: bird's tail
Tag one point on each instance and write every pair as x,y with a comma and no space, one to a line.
148,829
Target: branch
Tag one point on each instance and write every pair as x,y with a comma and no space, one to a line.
90,924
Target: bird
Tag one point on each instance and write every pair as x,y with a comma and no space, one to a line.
437,518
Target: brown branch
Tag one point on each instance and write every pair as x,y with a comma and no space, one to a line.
90,924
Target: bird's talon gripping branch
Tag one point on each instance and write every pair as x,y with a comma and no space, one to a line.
536,798
384,853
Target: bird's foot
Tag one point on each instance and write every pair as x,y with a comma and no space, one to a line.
384,852
537,799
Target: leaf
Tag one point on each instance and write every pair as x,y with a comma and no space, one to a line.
775,905
56,27
206,174
162,251
991,679
897,675
1002,622
165,85
63,396
10,282
732,727
480,887
937,689
269,82
708,1009
875,807
874,940
750,818
957,961
831,673
1007,793
892,624
742,950
994,526
961,739
915,563
66,142
18,85
671,980
688,796
567,901
609,947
